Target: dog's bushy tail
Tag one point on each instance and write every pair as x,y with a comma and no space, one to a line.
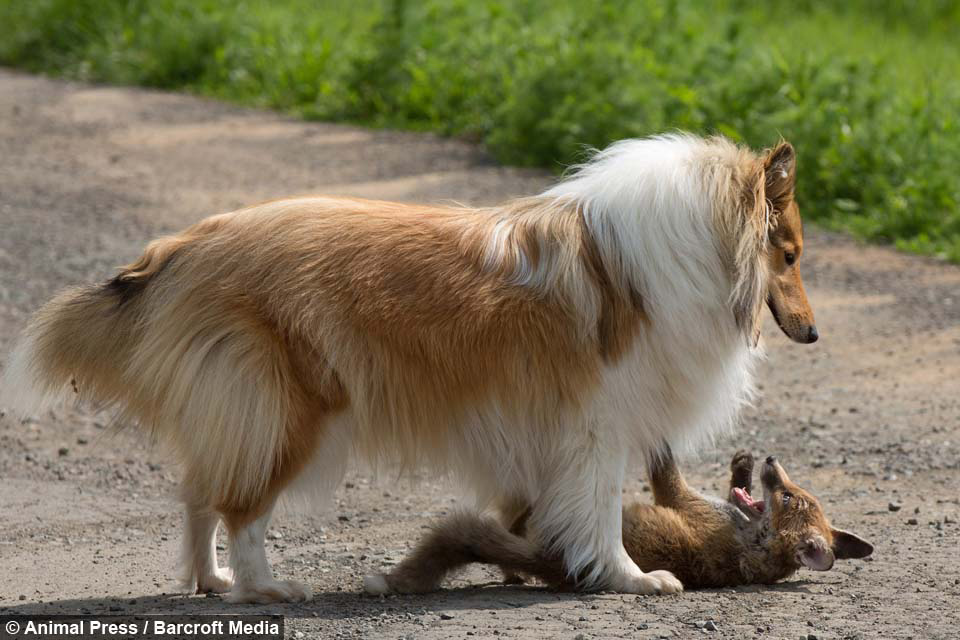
73,346
173,351
459,540
80,340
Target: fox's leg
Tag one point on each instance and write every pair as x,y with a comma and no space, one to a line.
741,471
578,516
667,483
458,540
448,547
514,513
203,575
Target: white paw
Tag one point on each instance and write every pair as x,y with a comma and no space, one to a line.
376,584
268,592
652,583
657,583
221,581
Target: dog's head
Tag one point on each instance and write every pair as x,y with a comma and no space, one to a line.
767,250
786,296
799,531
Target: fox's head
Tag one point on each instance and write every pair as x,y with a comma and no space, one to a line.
790,519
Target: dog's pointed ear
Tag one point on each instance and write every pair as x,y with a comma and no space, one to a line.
847,545
780,175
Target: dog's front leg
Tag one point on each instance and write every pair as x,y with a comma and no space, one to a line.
579,514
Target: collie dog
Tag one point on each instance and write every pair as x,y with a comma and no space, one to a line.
529,349
704,541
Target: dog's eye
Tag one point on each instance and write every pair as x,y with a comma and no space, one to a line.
790,258
786,497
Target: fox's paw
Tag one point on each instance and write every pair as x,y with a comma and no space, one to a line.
742,460
376,585
399,581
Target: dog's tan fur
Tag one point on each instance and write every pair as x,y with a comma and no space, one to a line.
274,340
705,542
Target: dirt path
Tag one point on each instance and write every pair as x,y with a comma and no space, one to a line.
868,416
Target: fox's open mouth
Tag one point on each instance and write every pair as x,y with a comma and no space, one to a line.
742,498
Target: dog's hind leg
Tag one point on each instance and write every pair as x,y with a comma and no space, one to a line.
253,579
203,575
314,462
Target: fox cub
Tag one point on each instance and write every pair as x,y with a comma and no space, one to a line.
704,541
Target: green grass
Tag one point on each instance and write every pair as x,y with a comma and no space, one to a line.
868,91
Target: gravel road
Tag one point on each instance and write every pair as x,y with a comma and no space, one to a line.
866,417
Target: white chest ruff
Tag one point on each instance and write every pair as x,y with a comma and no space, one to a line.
677,388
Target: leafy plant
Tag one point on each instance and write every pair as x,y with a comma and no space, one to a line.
867,91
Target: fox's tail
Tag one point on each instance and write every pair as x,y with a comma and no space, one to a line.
459,540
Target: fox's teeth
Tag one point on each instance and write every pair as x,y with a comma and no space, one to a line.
744,498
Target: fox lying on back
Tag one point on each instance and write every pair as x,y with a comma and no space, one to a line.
704,541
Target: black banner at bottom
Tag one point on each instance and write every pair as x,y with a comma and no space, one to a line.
89,627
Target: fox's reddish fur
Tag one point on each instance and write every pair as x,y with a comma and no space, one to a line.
705,542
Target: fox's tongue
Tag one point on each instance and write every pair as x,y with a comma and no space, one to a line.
744,498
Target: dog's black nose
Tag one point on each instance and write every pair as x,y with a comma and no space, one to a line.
813,335
771,459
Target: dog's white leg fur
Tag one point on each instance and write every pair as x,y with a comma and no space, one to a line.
580,514
200,554
253,579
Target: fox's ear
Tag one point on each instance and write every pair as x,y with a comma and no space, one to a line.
847,545
814,554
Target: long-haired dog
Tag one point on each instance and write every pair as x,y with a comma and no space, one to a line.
702,540
530,349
